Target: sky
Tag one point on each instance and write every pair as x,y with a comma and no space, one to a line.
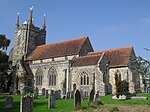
107,23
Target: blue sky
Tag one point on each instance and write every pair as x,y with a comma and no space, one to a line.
108,23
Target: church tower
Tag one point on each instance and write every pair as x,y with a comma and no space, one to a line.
26,38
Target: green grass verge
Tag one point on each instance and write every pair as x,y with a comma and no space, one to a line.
66,105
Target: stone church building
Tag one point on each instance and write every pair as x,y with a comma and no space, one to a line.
67,65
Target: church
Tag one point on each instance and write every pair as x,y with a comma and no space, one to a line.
67,65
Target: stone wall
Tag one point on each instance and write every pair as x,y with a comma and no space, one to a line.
126,74
87,47
100,72
60,67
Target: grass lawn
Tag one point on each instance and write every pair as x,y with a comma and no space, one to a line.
108,100
66,105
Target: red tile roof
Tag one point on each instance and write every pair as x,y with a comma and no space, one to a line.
117,57
87,60
64,48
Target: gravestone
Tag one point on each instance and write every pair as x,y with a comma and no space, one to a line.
68,95
43,92
26,104
82,94
35,95
36,92
46,94
25,90
91,98
59,94
56,95
77,100
86,94
96,97
51,100
72,94
9,102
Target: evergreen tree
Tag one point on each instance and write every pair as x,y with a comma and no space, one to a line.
4,66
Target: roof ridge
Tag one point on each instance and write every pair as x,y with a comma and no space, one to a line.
73,39
90,55
118,48
112,49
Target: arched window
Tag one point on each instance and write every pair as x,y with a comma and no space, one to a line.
81,80
84,78
52,74
38,77
117,76
87,80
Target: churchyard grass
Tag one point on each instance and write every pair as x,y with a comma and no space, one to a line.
65,105
108,100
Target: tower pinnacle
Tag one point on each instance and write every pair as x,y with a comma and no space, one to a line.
30,17
44,24
17,21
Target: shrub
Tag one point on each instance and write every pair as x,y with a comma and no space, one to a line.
122,88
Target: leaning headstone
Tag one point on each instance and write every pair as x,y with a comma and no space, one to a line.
43,92
51,100
72,94
91,98
26,104
77,100
46,94
9,102
68,95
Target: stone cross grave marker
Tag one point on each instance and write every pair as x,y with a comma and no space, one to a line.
26,104
51,100
9,102
77,100
91,98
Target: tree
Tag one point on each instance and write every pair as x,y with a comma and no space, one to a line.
122,87
142,67
4,66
